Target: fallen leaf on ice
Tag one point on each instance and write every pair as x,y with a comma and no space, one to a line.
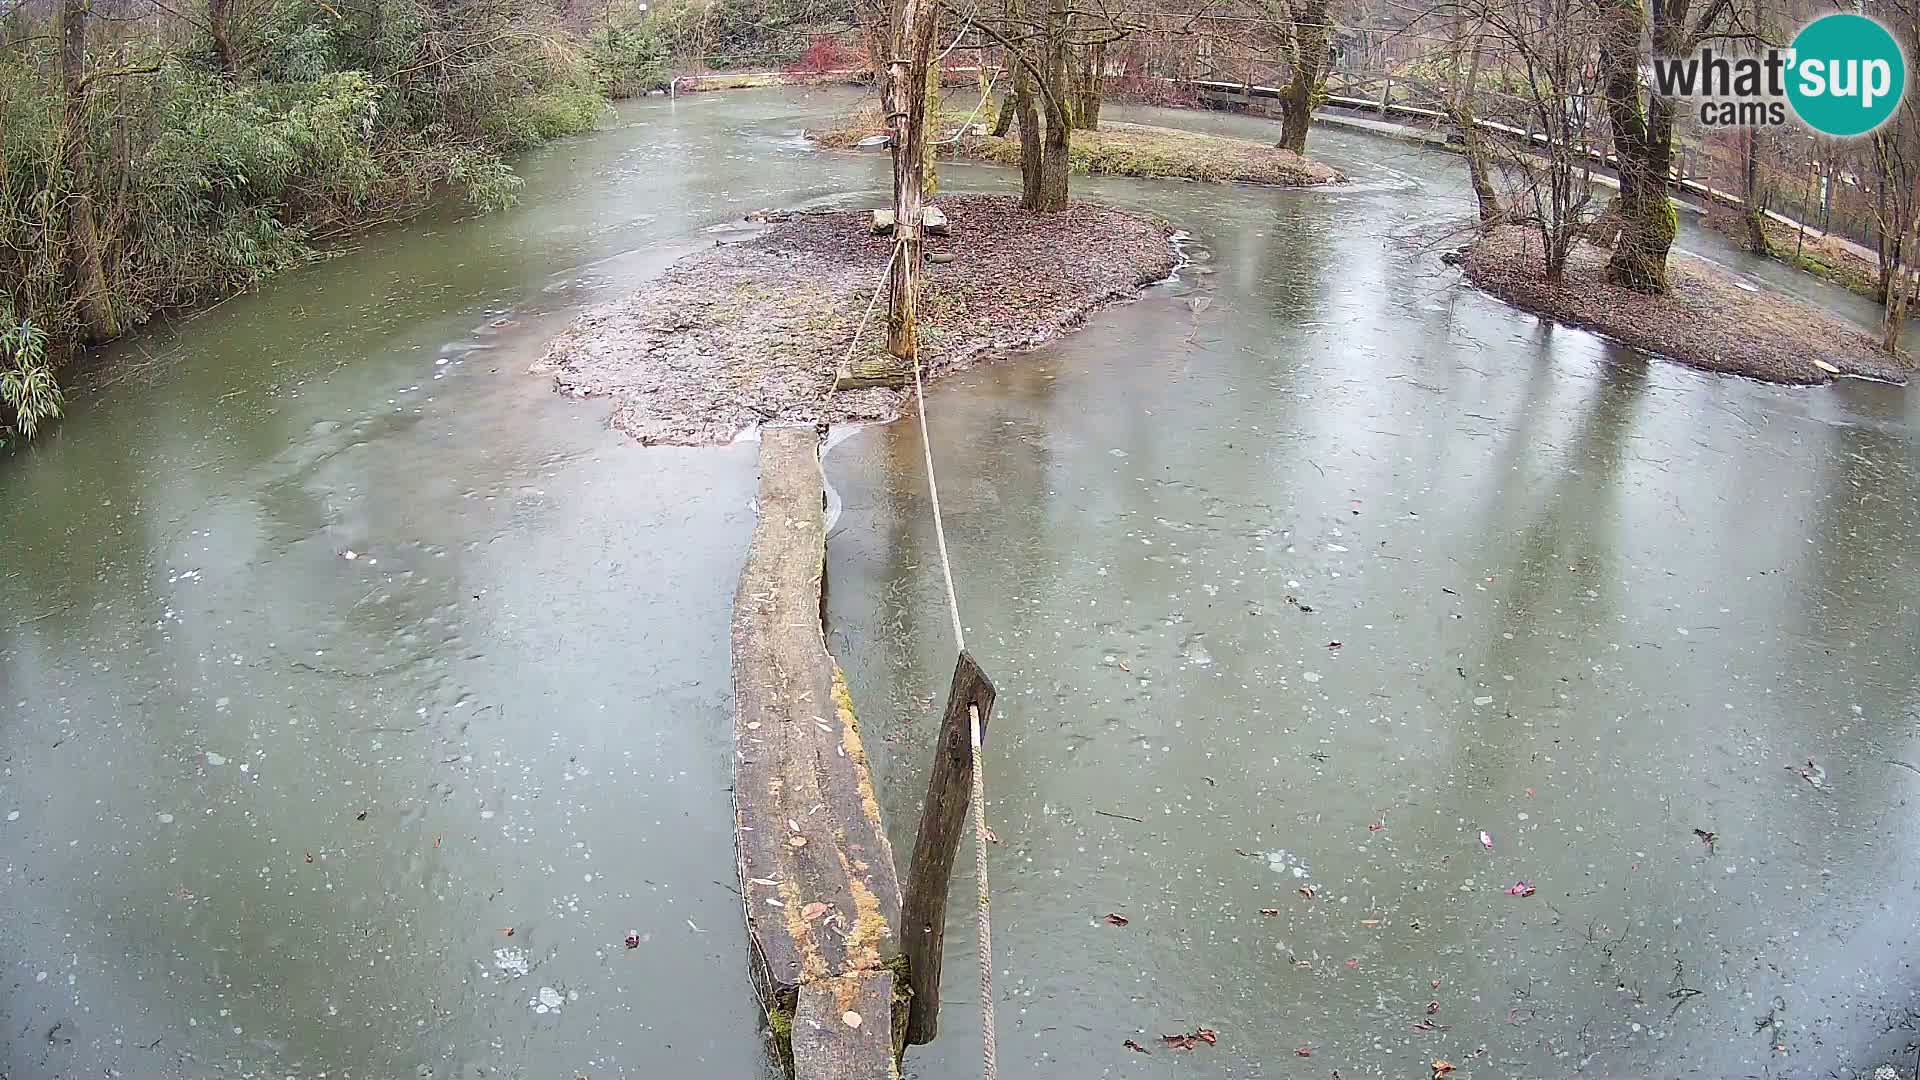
1131,1045
1520,888
1441,1068
1189,1041
1303,1051
1270,912
1117,920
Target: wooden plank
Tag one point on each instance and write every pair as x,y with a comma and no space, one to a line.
842,1028
943,819
817,877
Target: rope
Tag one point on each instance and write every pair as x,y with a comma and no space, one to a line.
875,301
988,93
983,920
940,534
867,318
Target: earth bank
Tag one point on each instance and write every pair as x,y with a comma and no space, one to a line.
1708,319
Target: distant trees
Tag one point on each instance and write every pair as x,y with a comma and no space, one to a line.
195,147
1895,149
1055,57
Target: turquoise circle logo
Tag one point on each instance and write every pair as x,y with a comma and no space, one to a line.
1848,75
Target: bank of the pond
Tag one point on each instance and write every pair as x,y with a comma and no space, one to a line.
1115,149
1706,319
753,331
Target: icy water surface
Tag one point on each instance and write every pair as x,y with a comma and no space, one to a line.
359,695
338,648
1333,604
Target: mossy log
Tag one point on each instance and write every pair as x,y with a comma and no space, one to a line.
817,876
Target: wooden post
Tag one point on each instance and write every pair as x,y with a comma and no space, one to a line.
907,72
923,919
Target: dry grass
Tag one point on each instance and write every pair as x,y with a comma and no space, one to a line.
1119,149
1824,257
1705,320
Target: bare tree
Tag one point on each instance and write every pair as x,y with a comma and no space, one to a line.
1897,163
1467,50
1309,26
907,115
1753,192
1541,51
1643,132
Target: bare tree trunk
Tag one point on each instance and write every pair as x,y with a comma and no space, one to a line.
85,263
907,75
1310,32
875,39
1900,287
1027,113
1089,87
1643,146
1009,105
930,175
219,25
1752,195
1472,141
1003,120
1900,283
1054,162
1890,227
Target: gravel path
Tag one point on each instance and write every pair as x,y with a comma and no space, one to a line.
753,331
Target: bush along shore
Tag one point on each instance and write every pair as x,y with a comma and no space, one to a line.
1707,319
161,162
1113,149
753,331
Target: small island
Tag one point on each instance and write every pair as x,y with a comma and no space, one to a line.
753,331
1708,318
1112,149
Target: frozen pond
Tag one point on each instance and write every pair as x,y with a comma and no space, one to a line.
338,648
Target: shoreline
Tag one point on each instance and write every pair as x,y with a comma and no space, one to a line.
753,332
1707,320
